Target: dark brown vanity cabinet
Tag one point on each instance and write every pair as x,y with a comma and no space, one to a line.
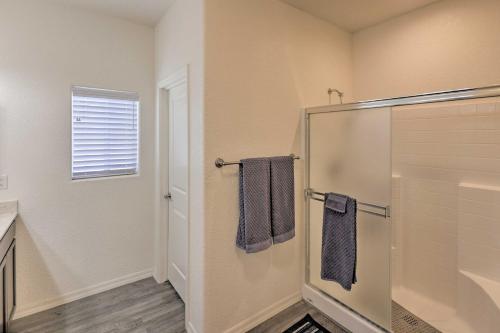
7,277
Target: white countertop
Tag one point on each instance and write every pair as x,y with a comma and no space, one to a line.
8,213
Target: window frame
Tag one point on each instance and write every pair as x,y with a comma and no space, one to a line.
95,177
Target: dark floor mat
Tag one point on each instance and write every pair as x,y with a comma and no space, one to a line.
307,325
404,321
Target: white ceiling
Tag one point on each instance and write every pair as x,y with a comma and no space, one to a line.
354,15
350,15
146,12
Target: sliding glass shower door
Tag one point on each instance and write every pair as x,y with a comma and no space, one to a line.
349,152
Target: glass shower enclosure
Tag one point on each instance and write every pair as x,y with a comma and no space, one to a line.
349,152
425,173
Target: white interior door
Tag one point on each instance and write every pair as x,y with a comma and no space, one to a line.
178,189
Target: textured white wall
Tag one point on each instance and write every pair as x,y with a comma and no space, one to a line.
179,42
264,61
71,235
451,44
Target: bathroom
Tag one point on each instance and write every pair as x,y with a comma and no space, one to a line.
251,79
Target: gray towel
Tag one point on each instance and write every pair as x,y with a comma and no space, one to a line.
282,198
338,250
254,228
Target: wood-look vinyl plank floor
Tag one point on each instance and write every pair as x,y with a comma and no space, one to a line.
140,307
146,307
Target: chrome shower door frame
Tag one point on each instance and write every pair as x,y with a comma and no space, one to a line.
344,315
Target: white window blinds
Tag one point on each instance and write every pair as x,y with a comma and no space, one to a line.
105,133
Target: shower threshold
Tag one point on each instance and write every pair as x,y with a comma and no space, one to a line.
403,321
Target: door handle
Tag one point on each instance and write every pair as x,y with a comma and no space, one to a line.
168,196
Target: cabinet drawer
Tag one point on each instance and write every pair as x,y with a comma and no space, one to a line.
7,240
10,282
7,277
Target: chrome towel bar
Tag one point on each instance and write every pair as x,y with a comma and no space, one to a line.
221,163
386,209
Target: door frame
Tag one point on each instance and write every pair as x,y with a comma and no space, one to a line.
179,77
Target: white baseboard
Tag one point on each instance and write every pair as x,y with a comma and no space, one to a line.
81,293
190,328
265,314
159,277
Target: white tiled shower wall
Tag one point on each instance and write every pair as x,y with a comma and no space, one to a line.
478,253
479,230
446,196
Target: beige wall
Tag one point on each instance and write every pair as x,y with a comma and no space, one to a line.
451,44
179,42
264,61
72,237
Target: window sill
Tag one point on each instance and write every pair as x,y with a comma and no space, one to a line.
105,178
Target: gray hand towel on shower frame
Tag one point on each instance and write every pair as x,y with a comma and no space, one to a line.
283,198
254,228
338,250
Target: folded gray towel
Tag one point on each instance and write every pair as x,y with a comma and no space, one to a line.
282,198
254,228
336,203
338,250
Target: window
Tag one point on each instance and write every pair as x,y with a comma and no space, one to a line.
105,133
